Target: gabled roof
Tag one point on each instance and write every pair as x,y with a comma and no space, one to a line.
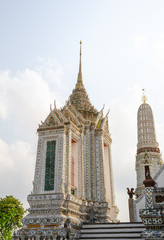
54,119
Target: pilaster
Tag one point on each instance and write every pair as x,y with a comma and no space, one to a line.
81,190
37,167
68,161
111,177
87,171
102,166
93,165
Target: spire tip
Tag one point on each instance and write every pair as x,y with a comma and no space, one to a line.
80,58
144,98
79,83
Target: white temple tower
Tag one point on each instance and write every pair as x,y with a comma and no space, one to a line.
148,152
73,180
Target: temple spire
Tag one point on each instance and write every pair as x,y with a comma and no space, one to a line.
79,83
146,126
79,97
148,152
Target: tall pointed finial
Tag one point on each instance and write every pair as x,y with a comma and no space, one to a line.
80,58
79,83
55,104
107,113
144,98
51,107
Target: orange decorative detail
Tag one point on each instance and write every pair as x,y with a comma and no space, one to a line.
148,149
33,226
53,225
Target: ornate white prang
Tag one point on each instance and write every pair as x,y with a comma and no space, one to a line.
148,152
79,134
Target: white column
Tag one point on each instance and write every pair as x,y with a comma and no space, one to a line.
68,159
88,169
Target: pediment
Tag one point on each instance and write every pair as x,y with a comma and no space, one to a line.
103,124
54,119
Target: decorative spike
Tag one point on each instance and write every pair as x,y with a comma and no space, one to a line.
144,98
79,83
107,113
80,58
102,109
54,104
51,107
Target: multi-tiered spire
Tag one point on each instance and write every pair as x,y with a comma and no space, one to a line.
146,128
79,97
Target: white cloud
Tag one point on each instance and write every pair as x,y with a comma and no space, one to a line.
4,77
17,168
25,97
6,160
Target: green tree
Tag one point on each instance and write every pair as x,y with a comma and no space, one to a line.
11,213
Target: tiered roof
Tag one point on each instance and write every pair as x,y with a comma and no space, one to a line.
78,110
79,97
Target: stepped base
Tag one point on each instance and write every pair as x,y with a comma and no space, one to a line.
126,231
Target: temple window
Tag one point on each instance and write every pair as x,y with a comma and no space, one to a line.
50,166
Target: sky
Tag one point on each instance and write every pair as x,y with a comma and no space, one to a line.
122,53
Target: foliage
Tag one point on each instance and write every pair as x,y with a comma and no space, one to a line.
11,213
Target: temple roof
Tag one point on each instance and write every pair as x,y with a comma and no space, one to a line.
79,97
77,110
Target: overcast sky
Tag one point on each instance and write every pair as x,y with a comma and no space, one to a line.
122,52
